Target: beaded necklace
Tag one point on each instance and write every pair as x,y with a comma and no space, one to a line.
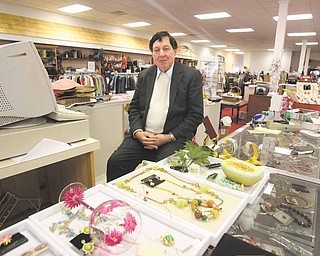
295,214
197,205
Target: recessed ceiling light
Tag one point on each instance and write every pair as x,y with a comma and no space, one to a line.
178,34
75,8
272,50
296,17
218,46
239,30
216,15
137,24
239,52
302,34
232,50
200,41
308,43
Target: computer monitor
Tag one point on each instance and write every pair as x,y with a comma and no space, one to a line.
25,88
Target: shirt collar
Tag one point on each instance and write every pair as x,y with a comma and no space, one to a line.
169,72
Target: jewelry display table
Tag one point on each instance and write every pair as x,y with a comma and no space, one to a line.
167,196
251,192
279,214
60,227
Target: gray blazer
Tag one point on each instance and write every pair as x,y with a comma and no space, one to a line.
185,104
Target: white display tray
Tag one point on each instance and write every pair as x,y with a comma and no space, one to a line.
153,227
35,237
251,192
232,206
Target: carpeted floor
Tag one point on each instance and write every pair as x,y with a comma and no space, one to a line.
241,122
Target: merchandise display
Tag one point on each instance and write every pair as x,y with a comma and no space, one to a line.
216,177
131,228
284,221
27,239
207,209
254,191
287,152
114,225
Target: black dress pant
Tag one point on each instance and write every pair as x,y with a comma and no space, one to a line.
131,153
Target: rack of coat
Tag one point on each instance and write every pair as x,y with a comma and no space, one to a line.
106,82
122,82
91,79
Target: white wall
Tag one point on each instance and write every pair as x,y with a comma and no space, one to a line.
261,61
234,62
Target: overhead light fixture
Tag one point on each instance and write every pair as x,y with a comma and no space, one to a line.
239,52
218,46
272,50
178,34
232,50
200,41
75,8
307,16
215,15
302,34
239,30
308,43
137,24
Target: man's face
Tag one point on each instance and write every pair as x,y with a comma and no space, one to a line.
163,54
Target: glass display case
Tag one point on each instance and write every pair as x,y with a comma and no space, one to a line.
283,220
290,153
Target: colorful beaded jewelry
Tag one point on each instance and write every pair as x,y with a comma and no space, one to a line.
63,225
168,240
88,248
225,182
197,205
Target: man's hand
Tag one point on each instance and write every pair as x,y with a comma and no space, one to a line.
151,140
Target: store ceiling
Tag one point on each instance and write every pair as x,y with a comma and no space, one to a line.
178,16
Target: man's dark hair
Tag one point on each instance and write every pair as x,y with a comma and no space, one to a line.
159,36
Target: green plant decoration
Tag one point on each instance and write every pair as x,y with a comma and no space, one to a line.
193,153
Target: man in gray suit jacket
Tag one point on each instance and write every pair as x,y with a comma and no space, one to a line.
165,111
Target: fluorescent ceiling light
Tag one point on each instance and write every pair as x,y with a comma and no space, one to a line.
272,50
75,8
137,24
200,41
239,52
232,50
218,46
308,43
239,30
178,34
296,17
302,34
209,16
